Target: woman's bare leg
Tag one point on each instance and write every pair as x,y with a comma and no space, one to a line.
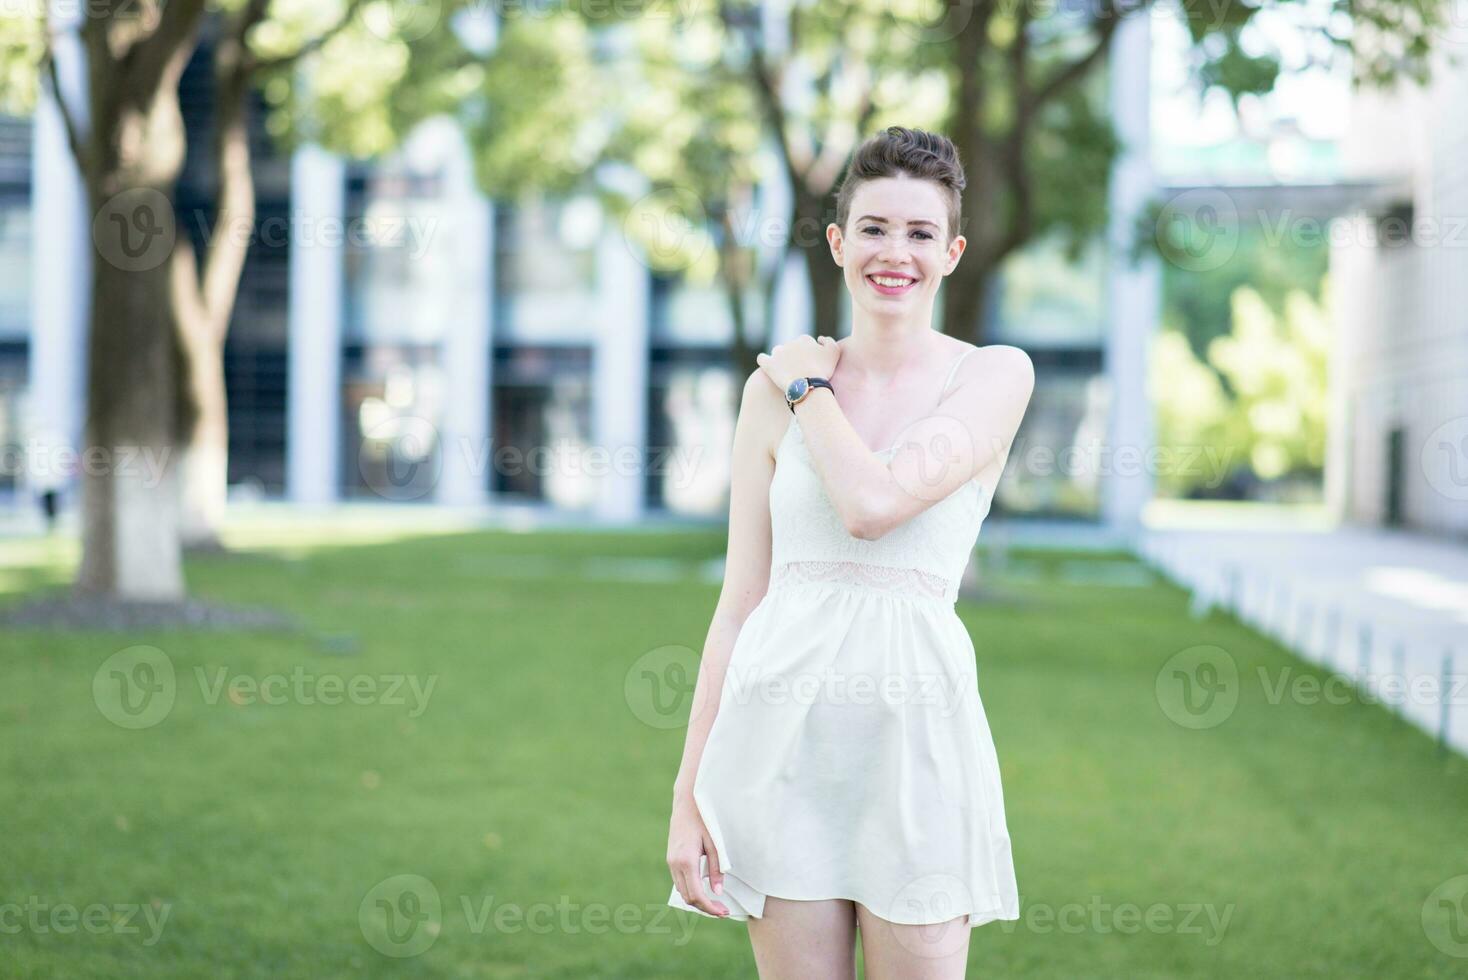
898,952
799,940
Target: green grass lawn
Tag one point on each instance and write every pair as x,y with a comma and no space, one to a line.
528,793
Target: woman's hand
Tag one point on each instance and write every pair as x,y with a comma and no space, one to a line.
803,357
688,841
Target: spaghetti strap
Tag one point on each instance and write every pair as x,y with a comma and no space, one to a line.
954,370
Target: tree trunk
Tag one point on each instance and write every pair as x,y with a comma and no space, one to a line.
131,157
130,542
204,435
206,307
964,297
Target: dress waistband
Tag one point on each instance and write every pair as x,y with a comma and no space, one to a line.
861,576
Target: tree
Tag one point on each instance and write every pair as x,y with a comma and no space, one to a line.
160,313
1019,96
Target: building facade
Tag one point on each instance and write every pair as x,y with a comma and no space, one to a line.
1399,450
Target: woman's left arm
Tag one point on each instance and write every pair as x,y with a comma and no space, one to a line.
975,424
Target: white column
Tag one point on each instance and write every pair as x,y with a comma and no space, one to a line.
61,275
1132,293
468,216
619,376
313,437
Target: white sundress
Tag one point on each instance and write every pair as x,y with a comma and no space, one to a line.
850,756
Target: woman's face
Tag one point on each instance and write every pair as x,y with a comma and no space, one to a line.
894,250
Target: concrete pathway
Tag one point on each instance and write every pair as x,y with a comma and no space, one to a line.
1386,610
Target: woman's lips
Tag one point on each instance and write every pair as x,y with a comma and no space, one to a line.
891,290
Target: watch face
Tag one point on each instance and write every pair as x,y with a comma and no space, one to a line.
796,390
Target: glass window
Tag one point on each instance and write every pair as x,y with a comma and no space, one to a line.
392,410
693,401
541,420
1049,472
15,263
545,269
400,286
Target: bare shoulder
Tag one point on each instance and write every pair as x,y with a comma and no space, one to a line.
763,412
999,364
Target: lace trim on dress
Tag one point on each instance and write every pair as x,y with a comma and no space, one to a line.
910,582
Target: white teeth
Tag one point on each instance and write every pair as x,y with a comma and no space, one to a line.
888,281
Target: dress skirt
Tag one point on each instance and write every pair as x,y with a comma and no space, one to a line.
851,758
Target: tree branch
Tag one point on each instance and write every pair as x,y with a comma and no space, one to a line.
767,87
148,59
314,44
1106,24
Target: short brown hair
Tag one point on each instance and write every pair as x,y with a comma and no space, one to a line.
914,152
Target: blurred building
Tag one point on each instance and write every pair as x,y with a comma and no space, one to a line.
400,336
1399,452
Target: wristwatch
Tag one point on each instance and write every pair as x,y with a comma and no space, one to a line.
801,387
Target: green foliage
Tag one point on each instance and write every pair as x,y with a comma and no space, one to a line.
1260,400
1198,302
22,42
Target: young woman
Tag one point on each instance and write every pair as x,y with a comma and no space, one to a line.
839,774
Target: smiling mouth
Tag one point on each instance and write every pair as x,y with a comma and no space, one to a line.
891,285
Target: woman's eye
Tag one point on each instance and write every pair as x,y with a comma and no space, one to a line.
925,234
871,228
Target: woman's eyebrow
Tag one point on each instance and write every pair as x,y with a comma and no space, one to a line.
915,221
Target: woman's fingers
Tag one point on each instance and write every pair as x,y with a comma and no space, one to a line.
716,877
690,886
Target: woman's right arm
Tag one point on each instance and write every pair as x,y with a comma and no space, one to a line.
746,579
